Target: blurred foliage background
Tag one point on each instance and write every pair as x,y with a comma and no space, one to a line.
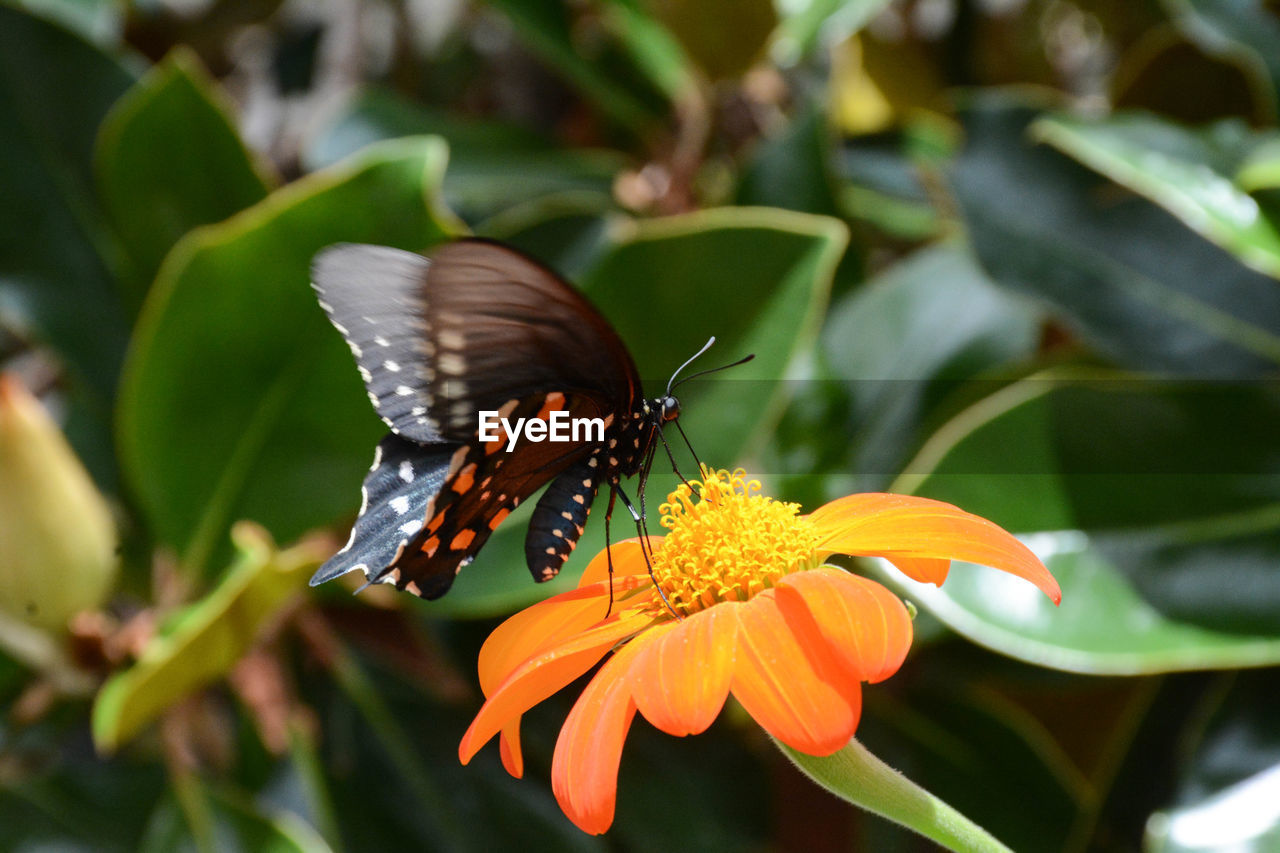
1021,255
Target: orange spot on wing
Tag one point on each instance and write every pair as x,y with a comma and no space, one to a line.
465,480
497,518
434,524
554,402
462,540
431,546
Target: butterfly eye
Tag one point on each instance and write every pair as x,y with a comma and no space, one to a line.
670,408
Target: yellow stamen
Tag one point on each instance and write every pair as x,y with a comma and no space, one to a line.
729,542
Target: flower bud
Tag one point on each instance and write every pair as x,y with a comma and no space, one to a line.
57,535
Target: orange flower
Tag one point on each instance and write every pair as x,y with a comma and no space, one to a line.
760,617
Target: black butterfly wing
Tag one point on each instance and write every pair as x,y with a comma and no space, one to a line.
374,298
477,325
397,491
483,484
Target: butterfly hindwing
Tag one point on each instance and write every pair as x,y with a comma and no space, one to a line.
397,491
484,483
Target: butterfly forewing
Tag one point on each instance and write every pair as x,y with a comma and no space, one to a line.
374,297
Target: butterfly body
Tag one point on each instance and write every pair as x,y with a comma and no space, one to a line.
477,328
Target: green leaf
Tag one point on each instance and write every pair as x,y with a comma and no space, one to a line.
169,159
755,278
236,824
493,166
724,38
596,68
806,23
793,168
1122,273
652,46
56,253
1245,29
896,351
239,400
205,641
1243,818
1160,518
1190,173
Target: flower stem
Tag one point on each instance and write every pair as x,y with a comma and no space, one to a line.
856,775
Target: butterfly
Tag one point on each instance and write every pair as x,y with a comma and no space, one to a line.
478,327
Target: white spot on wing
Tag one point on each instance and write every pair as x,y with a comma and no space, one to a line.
411,526
392,366
451,339
400,503
404,390
406,471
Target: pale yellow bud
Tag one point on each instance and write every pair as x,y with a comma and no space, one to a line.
57,536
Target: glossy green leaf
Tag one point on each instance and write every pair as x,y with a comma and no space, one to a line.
168,160
1226,786
1160,516
805,24
239,399
202,643
755,278
1248,29
1190,173
57,255
1244,818
492,167
1122,273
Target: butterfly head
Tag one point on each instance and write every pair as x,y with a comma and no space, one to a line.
668,408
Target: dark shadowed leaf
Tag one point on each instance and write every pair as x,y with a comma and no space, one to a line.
1125,275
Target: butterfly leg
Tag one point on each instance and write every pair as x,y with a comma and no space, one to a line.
644,544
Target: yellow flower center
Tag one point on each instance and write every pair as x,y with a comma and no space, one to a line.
726,542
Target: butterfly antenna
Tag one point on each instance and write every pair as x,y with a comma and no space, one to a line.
690,361
743,360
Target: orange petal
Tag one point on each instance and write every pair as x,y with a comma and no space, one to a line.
542,675
509,748
628,559
787,678
923,569
584,770
866,625
903,526
681,676
543,625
